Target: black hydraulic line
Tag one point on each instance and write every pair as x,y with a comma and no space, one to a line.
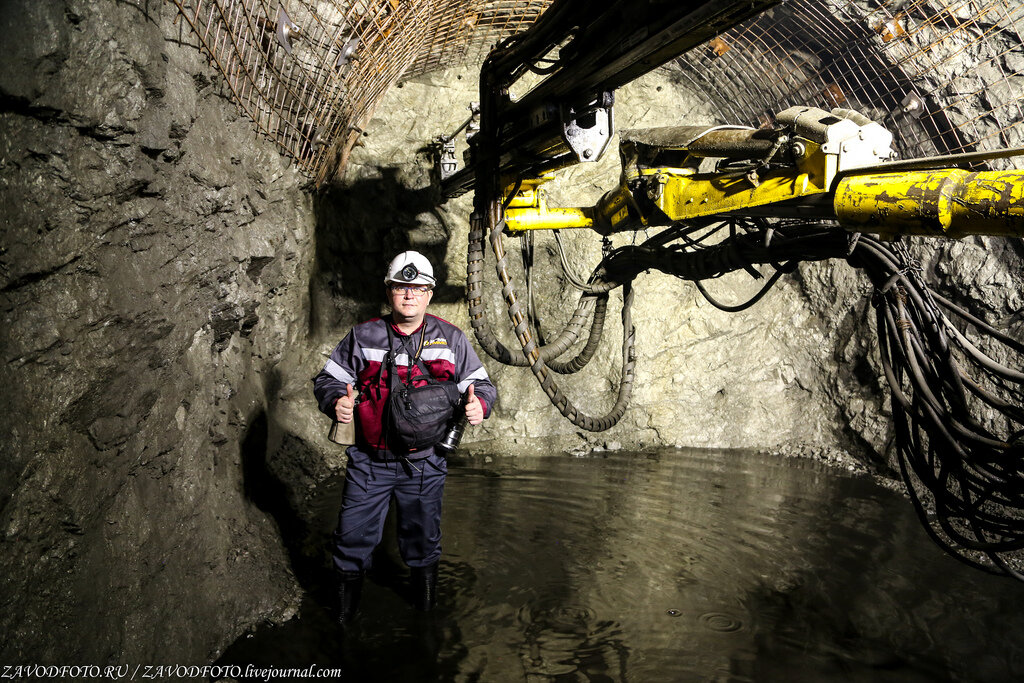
532,352
481,327
571,277
735,308
593,342
923,387
985,361
589,301
1016,413
597,319
968,477
885,353
527,252
979,323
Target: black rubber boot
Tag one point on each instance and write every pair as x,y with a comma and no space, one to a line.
350,588
424,587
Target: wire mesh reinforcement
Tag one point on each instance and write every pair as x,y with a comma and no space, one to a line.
948,75
310,73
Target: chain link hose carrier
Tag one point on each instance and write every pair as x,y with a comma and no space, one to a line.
543,361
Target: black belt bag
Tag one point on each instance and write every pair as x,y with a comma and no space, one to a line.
417,417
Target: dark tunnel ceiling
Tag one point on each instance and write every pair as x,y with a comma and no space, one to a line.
946,76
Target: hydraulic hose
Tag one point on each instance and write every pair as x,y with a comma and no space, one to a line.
532,353
481,327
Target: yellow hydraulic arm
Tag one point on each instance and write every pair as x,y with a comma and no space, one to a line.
813,164
950,202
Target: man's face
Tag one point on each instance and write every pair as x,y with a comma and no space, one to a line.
409,302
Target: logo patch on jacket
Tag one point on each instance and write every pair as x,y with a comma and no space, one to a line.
440,341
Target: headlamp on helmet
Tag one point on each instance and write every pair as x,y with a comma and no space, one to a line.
410,272
411,268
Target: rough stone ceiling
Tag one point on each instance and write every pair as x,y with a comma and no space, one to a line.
946,75
309,73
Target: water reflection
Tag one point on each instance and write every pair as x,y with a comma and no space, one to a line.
680,566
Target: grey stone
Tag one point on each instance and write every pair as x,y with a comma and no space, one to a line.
128,432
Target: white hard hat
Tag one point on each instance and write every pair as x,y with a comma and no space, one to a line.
410,267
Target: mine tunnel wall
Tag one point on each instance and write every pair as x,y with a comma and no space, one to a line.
156,265
170,285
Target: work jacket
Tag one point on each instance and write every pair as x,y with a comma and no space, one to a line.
358,360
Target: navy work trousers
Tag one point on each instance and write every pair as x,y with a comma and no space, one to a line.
417,486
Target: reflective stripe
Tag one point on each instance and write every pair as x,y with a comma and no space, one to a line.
478,374
338,372
403,358
438,354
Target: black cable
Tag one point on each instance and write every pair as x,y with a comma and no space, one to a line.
956,411
735,308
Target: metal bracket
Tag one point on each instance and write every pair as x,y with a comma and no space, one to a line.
447,163
913,105
286,28
588,132
348,48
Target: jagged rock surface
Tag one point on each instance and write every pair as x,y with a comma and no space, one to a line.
154,268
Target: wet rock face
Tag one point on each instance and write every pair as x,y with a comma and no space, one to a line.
153,271
796,373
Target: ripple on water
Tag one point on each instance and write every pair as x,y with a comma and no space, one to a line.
557,639
684,565
721,622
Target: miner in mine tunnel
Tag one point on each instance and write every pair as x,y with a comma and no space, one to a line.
410,381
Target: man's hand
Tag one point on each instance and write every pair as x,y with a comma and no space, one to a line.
474,409
344,405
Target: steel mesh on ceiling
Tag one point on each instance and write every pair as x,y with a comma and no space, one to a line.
309,73
946,75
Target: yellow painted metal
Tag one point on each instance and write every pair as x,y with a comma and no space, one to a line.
548,219
528,210
689,197
613,212
529,194
685,195
992,204
938,202
944,202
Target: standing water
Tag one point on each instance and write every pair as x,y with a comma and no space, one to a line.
674,566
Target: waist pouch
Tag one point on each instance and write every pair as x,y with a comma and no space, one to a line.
417,417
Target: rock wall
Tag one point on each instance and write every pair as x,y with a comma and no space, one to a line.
154,268
759,379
